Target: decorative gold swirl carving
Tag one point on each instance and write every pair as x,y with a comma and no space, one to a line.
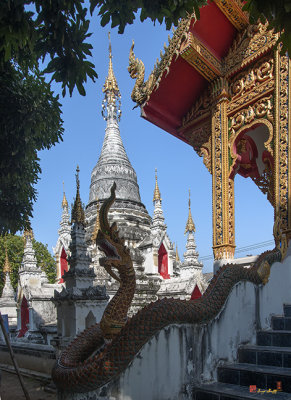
199,138
266,182
255,41
283,111
200,109
251,78
281,240
262,108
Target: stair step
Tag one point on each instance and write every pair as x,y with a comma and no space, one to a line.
264,377
274,338
265,355
287,310
281,323
224,391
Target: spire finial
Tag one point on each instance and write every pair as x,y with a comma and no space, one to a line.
190,227
177,254
110,50
157,194
78,214
97,224
6,267
111,90
64,202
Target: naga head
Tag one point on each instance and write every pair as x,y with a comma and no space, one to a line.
133,66
116,253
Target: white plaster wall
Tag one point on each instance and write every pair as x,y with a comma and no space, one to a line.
149,267
181,354
83,309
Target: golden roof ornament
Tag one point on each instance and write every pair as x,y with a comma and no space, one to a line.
6,267
157,194
97,224
111,89
177,254
64,202
78,214
190,227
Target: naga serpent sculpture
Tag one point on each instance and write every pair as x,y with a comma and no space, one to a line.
100,353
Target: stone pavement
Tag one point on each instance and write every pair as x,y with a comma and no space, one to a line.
10,388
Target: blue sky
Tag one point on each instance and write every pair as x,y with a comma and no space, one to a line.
148,147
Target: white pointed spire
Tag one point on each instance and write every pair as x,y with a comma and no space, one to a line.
8,292
65,226
29,262
190,264
158,216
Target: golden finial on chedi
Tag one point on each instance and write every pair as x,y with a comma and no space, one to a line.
157,194
110,87
190,227
64,202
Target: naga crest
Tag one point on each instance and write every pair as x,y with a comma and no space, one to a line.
108,240
142,90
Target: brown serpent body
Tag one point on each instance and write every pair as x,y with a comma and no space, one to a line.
89,362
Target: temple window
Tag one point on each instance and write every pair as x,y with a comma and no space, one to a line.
163,262
63,264
24,315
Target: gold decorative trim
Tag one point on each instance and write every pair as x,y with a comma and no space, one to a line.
252,84
282,114
223,252
200,109
197,55
251,44
234,13
200,139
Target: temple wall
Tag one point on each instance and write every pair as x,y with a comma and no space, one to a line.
179,355
35,359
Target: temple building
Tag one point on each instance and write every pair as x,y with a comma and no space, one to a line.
35,312
158,271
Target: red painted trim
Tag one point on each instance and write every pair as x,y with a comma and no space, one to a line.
163,262
196,294
24,314
63,265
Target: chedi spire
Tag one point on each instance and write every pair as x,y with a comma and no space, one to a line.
111,103
158,216
78,215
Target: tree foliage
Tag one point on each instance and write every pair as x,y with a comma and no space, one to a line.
15,249
36,38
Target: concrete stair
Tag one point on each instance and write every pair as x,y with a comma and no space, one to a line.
263,365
